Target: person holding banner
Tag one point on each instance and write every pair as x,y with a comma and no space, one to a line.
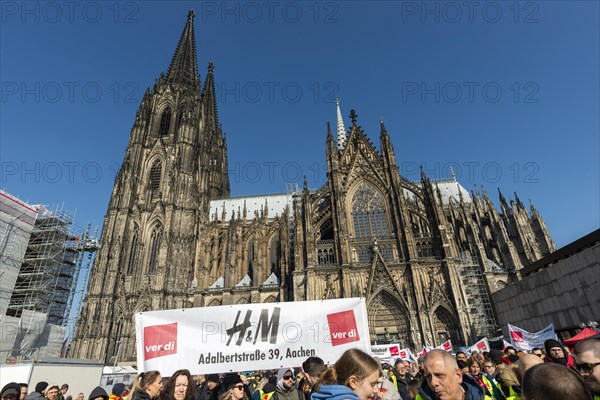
233,388
147,386
285,386
180,386
355,376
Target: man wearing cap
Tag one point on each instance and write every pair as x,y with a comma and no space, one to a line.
52,392
11,391
117,391
556,353
206,391
98,394
38,393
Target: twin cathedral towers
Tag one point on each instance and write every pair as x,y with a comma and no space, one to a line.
425,254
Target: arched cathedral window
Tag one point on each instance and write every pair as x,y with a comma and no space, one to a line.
155,176
133,251
165,122
368,213
250,254
274,255
180,114
155,240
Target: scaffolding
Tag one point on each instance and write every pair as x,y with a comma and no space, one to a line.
85,248
50,270
475,288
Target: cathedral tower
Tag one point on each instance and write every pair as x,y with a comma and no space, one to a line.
174,164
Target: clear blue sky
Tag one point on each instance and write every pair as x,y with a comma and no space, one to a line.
507,92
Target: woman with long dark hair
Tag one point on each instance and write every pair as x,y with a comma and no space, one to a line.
180,386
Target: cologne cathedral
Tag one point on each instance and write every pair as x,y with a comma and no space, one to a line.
425,255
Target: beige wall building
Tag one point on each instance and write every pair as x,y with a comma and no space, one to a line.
562,288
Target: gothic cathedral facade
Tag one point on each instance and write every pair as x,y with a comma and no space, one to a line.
425,255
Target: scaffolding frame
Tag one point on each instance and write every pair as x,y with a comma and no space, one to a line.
51,266
480,306
46,266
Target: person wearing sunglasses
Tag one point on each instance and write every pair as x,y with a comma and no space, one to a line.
286,389
233,388
587,363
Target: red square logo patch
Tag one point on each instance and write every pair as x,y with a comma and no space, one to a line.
394,351
342,328
516,336
160,340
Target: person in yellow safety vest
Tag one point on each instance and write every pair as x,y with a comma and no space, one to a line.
264,390
512,395
443,379
398,375
491,388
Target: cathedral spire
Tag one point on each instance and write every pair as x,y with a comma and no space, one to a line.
519,203
183,68
209,97
341,130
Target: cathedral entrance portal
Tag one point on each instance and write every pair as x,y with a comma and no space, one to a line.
388,322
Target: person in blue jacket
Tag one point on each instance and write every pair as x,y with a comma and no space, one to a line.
355,376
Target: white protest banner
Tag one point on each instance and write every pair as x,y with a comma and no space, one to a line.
426,349
386,350
446,346
407,355
249,336
480,346
523,340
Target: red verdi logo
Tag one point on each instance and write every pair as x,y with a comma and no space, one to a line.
160,340
516,336
394,351
342,328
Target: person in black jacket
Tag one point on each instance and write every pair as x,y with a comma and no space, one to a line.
147,386
98,394
180,386
10,391
398,375
205,392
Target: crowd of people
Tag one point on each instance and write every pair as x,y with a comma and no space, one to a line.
552,373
